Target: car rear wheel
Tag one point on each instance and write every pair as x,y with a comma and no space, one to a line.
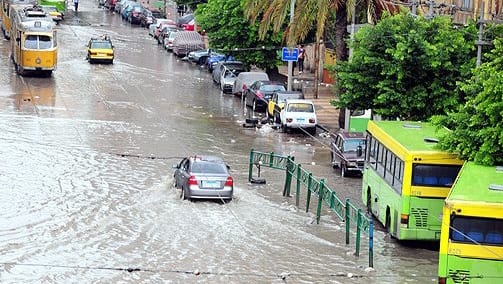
182,194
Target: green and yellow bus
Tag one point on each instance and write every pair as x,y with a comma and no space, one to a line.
406,178
471,245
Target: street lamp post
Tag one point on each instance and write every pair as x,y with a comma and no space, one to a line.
290,63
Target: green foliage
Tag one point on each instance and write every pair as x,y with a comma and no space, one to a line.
229,31
406,67
477,126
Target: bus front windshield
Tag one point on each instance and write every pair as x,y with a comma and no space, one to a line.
38,42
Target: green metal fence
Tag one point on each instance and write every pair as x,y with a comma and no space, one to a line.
346,211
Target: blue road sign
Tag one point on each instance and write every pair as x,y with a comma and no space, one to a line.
290,54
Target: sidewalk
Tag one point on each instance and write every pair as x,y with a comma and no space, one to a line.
328,115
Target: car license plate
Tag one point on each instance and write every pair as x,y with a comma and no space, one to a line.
211,183
102,54
300,119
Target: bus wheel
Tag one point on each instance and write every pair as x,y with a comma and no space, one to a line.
387,224
369,202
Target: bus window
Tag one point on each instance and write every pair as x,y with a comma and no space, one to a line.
434,175
476,230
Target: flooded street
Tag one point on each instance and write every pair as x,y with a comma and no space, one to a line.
86,179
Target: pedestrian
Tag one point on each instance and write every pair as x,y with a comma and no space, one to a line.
76,4
302,57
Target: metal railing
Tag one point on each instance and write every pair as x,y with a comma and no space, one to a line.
345,211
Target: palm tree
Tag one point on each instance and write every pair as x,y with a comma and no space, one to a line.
310,14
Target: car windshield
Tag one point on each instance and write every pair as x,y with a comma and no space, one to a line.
101,44
300,107
353,144
272,88
206,167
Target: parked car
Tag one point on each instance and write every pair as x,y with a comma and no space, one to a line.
135,15
205,177
245,79
277,102
119,4
168,41
187,41
229,75
128,10
347,152
199,56
153,27
298,114
123,6
100,50
216,57
221,65
147,17
258,94
160,27
165,30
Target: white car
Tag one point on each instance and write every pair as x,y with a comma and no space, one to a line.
299,114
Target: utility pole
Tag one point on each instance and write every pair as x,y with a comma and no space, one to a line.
290,63
414,4
480,42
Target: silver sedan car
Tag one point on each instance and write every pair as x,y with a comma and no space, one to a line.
204,177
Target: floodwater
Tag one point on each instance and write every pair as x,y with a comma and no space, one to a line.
86,179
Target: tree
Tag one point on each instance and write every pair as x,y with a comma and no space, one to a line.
229,31
309,15
406,67
477,126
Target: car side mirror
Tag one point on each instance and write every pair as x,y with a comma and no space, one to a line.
359,151
175,167
228,167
